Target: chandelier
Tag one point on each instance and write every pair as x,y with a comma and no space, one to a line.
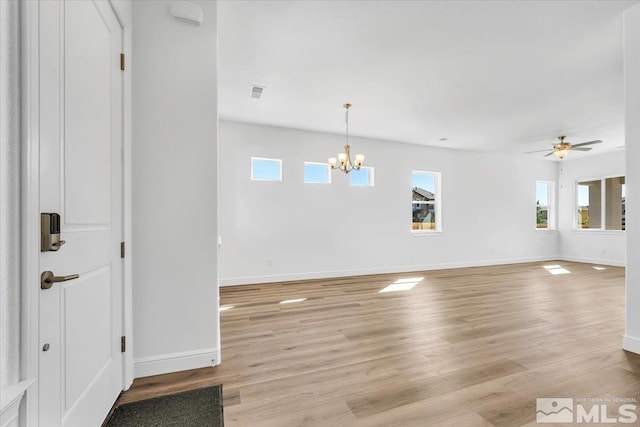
344,159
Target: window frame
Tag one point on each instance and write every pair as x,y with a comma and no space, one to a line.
603,205
551,208
437,203
304,176
279,161
371,183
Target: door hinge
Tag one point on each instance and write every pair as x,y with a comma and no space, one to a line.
122,61
121,249
123,344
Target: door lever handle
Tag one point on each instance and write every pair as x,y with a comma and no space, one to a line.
47,279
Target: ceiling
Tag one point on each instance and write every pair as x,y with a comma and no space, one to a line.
486,75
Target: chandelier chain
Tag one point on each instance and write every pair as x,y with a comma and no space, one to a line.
346,120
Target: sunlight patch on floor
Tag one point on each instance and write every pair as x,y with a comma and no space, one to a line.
290,301
556,269
402,285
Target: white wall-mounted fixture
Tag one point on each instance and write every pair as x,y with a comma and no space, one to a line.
187,12
256,91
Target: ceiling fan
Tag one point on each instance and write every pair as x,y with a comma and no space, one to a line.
562,148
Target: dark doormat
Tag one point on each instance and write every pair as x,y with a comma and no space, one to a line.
194,408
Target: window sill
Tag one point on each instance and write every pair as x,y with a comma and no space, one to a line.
425,233
547,230
599,231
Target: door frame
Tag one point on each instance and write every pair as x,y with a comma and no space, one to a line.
30,213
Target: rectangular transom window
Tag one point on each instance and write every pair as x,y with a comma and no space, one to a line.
545,206
601,204
317,173
263,169
362,177
425,201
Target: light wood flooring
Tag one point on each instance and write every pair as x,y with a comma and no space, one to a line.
464,347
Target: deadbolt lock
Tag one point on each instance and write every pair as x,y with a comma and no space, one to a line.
50,232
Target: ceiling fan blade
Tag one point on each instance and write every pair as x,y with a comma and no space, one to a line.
549,153
582,144
581,148
536,151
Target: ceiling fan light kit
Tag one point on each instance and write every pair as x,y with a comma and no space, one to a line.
561,153
562,149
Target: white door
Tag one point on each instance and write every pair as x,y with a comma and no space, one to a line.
80,373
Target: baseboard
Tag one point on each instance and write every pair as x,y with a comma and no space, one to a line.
10,403
250,280
174,362
610,262
631,344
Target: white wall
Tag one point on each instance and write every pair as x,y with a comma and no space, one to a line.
9,195
632,129
593,246
290,230
175,290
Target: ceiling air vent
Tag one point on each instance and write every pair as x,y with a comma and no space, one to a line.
256,91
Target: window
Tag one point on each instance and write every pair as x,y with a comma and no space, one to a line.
266,169
589,204
614,203
601,204
545,206
425,201
317,173
362,177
